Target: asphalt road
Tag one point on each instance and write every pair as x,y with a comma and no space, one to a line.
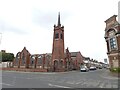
72,79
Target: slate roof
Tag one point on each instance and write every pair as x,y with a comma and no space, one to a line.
73,54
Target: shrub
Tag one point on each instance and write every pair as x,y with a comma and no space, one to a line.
117,70
4,57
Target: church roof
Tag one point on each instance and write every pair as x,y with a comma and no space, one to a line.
73,54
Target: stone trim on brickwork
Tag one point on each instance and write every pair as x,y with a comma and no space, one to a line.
113,54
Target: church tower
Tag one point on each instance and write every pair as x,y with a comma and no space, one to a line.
58,47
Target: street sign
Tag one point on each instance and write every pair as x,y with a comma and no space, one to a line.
105,60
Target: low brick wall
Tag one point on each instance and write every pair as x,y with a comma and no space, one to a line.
25,70
60,70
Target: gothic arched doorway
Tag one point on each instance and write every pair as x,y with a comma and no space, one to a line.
55,66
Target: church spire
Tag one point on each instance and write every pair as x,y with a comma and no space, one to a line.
59,19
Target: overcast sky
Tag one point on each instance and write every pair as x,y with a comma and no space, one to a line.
30,23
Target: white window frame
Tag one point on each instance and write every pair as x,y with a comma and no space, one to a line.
115,42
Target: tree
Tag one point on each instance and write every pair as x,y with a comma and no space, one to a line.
7,56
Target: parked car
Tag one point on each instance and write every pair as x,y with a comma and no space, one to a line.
92,68
84,69
100,67
107,67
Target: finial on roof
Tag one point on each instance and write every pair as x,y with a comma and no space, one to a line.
24,47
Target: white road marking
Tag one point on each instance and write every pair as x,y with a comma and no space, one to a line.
101,85
78,82
58,86
6,84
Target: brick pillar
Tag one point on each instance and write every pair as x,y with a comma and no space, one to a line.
19,61
13,63
36,59
43,61
27,61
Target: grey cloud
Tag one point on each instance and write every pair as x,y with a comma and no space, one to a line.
4,27
47,18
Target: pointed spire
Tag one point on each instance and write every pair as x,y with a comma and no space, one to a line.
59,19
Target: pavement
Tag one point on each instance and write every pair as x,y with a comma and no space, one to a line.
73,79
110,75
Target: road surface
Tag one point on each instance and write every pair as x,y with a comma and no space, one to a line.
73,79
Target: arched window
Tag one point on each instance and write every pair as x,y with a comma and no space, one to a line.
61,36
56,35
17,59
48,59
32,61
61,63
55,63
113,44
23,59
112,39
40,61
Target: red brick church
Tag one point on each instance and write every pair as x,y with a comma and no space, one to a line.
59,60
